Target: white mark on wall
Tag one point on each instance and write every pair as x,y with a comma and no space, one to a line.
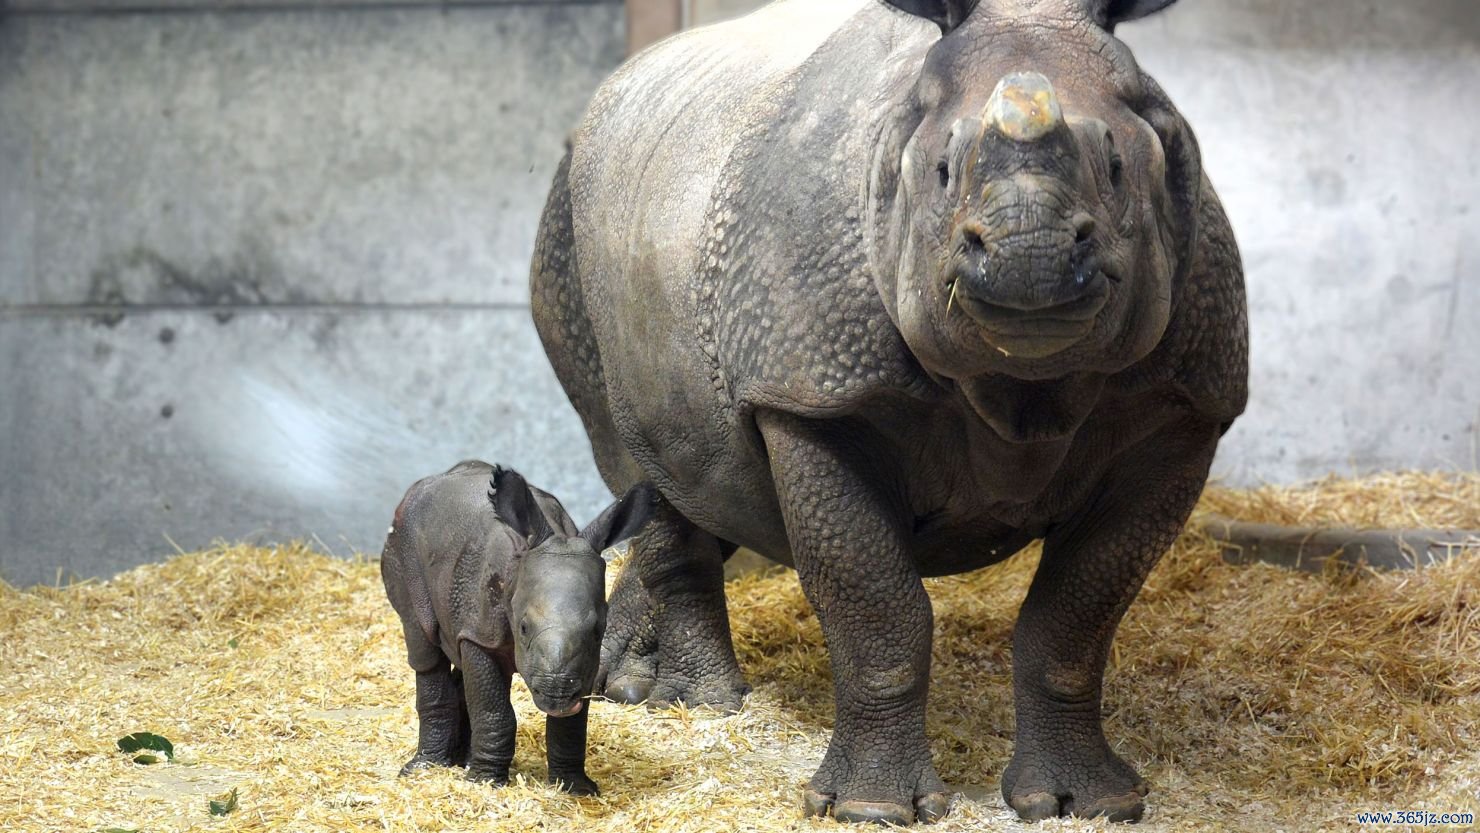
312,440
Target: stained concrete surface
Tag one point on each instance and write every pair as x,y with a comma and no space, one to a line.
397,156
317,223
175,428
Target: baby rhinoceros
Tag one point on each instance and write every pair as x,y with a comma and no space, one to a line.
490,576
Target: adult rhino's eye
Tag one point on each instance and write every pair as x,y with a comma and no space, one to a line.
1117,165
523,629
943,170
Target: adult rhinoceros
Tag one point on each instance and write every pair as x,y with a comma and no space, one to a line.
883,291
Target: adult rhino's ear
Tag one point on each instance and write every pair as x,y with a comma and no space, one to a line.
515,505
1184,173
1111,12
622,519
947,14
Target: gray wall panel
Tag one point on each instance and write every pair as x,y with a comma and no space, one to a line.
269,426
112,6
370,156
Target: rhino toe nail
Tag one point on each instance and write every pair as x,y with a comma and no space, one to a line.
576,786
878,812
1127,807
932,807
815,803
1036,806
415,765
481,777
629,690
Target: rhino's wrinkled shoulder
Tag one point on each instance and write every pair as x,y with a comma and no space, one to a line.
1204,354
786,305
1214,367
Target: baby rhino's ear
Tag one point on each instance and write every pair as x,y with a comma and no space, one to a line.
622,519
515,505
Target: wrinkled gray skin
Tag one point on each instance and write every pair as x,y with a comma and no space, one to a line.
798,273
490,577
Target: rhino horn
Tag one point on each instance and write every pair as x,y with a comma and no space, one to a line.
1024,107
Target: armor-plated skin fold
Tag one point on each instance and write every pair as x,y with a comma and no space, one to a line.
885,290
490,577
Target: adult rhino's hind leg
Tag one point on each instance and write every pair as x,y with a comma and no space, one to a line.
1092,568
668,629
629,648
558,306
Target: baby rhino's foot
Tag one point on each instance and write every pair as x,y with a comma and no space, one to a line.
487,775
575,783
421,762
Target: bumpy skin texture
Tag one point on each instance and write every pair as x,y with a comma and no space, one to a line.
493,581
851,303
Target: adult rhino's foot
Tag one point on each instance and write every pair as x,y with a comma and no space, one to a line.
1086,781
668,632
629,648
877,789
634,669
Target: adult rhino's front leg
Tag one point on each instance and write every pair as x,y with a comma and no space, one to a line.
846,534
668,628
1092,568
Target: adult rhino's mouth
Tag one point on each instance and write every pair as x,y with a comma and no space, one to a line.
1040,331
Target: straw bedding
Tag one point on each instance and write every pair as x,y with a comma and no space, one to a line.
1250,697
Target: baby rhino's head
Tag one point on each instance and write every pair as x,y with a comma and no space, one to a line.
558,606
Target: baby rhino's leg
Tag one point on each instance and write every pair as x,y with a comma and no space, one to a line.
565,742
486,685
441,715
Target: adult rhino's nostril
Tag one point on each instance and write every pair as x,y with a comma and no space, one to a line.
973,236
1084,228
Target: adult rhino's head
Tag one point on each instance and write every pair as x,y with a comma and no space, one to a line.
557,606
1033,193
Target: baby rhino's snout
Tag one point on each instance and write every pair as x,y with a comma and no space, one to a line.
561,669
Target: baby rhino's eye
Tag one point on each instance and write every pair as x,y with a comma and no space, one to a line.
524,629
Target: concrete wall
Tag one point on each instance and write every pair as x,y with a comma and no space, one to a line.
261,268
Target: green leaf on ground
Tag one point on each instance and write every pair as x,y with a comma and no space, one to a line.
146,759
224,803
146,740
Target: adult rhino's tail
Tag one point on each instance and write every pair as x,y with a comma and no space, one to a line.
559,308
